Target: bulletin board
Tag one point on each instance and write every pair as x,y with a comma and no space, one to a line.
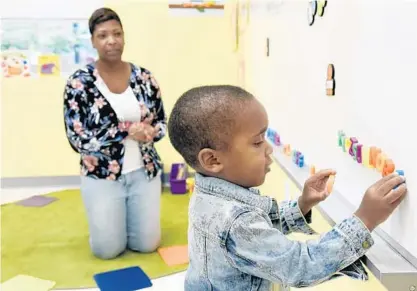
44,47
196,8
350,70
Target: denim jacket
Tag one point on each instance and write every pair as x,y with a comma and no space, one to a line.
237,241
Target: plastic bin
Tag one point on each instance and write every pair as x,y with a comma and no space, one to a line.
178,186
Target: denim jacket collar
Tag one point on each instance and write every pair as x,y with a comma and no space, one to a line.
222,188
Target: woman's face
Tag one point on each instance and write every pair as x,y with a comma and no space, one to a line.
108,40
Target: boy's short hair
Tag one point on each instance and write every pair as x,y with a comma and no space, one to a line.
204,117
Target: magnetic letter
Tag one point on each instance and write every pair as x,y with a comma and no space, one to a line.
380,161
389,167
348,143
341,137
353,141
366,156
358,152
373,154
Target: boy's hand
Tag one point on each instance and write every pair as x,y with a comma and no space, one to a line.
381,199
315,190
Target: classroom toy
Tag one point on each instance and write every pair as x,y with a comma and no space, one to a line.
313,5
127,279
298,158
277,140
268,134
401,173
330,183
321,4
25,282
300,161
365,156
380,161
341,138
273,136
357,152
372,157
287,149
311,11
312,170
353,141
175,255
330,82
177,178
37,201
294,155
388,168
348,143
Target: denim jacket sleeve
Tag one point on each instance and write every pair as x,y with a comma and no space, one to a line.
255,247
288,218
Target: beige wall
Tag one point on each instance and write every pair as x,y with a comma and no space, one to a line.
181,51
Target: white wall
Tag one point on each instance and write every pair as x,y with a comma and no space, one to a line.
373,45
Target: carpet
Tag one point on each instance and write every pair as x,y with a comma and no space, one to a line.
51,242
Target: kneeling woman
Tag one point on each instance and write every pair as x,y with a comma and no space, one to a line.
113,115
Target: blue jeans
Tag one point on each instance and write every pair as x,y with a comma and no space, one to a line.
123,214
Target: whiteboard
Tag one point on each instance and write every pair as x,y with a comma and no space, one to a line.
373,46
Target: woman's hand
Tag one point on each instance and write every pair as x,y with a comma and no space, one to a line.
143,131
90,162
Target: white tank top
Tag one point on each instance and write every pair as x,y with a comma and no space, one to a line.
127,108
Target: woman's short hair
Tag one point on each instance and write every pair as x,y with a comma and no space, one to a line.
102,15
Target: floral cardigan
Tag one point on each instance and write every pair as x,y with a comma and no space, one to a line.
93,128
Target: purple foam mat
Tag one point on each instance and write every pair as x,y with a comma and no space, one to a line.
36,201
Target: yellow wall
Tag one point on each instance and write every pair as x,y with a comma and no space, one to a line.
181,51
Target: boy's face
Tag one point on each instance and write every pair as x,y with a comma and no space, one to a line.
247,159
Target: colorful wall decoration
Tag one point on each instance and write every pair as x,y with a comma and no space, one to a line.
370,156
330,82
49,65
196,7
315,7
66,41
15,64
296,156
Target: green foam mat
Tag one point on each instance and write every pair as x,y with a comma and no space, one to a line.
51,242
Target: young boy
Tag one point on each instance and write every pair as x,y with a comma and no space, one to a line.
236,236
